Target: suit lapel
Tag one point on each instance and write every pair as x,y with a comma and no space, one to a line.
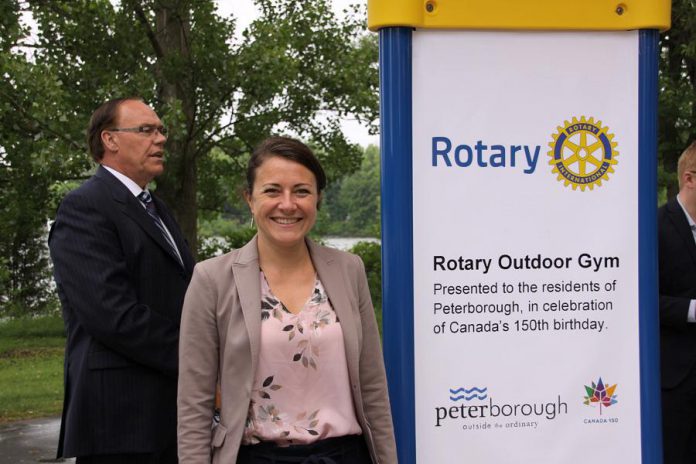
173,228
246,277
131,207
336,284
681,225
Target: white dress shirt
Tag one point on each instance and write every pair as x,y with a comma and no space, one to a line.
136,190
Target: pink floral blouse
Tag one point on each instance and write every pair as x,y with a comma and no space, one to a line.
301,391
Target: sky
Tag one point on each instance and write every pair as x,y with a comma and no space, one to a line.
245,11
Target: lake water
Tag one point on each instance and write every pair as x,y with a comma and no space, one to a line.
346,243
341,243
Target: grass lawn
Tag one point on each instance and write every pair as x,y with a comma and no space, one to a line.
31,368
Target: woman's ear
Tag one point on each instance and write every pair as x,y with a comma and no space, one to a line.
250,204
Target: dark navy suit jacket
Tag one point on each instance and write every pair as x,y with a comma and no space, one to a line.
677,258
121,289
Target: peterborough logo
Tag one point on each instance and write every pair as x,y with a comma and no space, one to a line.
583,153
462,393
600,395
475,403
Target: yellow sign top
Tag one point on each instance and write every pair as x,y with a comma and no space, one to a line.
520,14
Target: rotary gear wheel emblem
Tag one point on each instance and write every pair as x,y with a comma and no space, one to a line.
583,153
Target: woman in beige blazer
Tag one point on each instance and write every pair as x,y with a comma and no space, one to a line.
222,341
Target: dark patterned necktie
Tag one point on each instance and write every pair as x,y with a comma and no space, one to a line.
146,199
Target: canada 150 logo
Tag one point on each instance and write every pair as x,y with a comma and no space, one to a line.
583,153
600,394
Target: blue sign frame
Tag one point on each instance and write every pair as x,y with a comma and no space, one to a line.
397,238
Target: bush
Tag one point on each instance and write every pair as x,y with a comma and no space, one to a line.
50,325
371,254
223,241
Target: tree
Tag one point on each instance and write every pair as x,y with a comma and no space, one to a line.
677,112
297,70
351,206
32,152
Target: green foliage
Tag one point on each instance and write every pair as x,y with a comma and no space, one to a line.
677,82
41,326
351,206
221,236
371,254
297,69
33,144
222,192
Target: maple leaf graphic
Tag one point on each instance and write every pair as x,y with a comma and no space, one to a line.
601,394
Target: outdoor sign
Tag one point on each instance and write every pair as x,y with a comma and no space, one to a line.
523,227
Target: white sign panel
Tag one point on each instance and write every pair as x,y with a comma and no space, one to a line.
525,213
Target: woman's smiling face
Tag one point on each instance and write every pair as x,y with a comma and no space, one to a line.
283,201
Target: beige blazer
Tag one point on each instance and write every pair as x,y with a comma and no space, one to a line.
220,335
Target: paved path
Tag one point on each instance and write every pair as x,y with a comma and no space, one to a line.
30,442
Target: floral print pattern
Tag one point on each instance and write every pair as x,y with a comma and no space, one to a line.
301,392
314,316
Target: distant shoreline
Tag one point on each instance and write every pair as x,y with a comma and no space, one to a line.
346,243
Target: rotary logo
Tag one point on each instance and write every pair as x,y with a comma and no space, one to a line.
583,153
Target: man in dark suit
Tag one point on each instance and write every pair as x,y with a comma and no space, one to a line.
677,258
121,267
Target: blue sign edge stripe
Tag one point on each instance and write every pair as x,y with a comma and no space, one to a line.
397,240
649,321
396,151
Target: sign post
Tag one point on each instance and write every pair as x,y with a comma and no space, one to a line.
519,228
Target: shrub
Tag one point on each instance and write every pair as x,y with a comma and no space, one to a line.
223,241
371,254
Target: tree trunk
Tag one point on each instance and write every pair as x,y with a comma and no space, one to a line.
178,185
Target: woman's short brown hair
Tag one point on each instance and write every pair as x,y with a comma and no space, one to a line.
290,149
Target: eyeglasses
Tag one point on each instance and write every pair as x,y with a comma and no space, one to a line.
146,129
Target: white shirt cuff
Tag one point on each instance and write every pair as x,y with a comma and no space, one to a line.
691,317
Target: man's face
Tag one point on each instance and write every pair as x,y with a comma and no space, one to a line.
139,156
